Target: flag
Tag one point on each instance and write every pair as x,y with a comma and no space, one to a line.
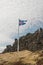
22,22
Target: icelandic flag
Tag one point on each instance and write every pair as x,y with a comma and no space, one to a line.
22,22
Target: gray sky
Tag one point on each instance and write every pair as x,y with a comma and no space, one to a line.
11,11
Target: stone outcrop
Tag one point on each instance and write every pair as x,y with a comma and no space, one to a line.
32,42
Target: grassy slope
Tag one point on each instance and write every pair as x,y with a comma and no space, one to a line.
20,58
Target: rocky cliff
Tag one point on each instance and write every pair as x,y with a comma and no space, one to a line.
31,41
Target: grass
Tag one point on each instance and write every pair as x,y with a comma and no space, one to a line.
21,58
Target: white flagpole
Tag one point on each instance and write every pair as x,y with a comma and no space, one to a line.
18,39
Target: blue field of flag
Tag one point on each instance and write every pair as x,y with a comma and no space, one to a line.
22,22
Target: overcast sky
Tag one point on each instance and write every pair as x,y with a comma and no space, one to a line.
13,10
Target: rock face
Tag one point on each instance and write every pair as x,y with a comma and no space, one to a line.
32,42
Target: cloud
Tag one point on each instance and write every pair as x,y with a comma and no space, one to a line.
5,38
2,49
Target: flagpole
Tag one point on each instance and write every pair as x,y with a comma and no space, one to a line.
18,39
22,23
